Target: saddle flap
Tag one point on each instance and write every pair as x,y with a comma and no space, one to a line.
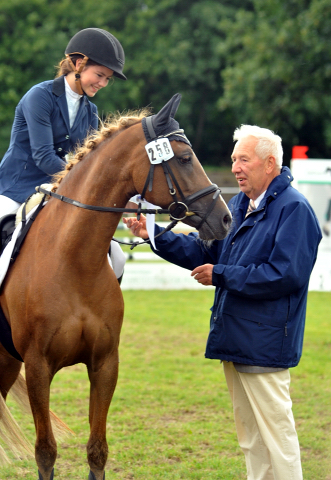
7,226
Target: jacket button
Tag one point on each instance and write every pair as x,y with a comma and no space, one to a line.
232,243
275,193
59,149
67,137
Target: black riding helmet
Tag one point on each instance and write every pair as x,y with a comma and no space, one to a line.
99,46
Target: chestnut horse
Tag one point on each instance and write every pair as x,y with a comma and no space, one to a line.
61,298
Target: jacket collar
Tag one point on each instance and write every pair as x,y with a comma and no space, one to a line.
276,187
278,184
60,92
59,88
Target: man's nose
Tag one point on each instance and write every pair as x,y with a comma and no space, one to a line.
235,167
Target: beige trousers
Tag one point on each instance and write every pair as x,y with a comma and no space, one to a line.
265,425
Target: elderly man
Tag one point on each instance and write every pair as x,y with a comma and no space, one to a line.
261,273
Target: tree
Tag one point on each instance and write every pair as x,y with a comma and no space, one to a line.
170,45
278,72
175,46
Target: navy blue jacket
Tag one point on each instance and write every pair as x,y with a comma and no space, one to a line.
41,136
261,273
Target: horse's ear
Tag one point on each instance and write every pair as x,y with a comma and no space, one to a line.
164,123
169,110
175,101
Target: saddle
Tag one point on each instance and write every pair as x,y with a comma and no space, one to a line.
7,227
9,222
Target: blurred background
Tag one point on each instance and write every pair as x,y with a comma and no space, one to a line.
261,62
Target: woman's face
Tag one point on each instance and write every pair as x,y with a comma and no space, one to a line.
94,77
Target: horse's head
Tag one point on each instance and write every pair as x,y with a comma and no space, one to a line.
169,175
192,197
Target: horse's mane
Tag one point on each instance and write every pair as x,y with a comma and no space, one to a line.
113,124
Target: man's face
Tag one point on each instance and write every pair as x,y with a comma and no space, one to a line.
252,173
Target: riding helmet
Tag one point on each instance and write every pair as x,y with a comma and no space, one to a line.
99,46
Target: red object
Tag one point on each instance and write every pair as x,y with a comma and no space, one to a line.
299,151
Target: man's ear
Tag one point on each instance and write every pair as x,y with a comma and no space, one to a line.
270,164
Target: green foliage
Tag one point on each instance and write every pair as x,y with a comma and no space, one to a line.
170,46
279,72
242,61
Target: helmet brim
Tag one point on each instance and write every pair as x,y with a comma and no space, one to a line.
119,75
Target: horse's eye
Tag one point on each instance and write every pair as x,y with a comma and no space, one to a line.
184,160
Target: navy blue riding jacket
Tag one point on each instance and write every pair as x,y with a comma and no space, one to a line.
41,137
261,273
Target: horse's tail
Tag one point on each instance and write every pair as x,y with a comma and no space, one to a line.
19,392
12,436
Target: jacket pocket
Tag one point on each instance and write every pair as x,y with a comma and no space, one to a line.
269,312
246,341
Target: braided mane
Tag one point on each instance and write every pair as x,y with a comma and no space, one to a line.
113,124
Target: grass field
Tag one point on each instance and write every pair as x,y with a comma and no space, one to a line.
171,416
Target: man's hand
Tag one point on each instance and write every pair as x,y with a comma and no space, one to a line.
203,274
138,228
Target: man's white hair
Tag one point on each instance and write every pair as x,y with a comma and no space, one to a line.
268,142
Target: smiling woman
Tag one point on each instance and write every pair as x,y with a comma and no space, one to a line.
55,116
92,78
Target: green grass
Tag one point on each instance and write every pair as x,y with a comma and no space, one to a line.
171,416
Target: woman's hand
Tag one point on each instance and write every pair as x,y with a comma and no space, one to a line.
138,228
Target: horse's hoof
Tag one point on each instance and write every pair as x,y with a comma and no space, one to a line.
42,478
92,476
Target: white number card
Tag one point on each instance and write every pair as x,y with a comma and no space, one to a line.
159,150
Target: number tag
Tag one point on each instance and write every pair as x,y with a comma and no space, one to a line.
159,150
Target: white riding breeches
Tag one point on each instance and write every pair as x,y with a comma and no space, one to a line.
116,259
7,206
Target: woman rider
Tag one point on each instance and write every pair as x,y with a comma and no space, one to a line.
55,115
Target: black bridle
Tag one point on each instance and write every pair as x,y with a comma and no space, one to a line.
178,210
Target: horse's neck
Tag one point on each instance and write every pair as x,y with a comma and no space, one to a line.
99,180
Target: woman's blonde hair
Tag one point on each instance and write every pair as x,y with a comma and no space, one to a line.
65,66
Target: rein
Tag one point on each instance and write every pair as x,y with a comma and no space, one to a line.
98,208
178,207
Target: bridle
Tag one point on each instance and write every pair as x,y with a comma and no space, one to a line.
178,209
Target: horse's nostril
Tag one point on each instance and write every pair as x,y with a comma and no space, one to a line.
227,220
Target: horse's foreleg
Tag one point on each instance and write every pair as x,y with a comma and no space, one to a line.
38,380
103,382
